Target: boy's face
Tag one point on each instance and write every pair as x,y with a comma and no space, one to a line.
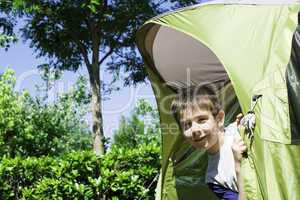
201,128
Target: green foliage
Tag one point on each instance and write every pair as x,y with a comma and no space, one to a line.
10,113
182,3
7,22
30,127
66,40
5,40
142,127
120,174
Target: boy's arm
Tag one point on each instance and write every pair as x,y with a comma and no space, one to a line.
238,148
239,180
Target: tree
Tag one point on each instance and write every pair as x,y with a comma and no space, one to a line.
7,22
141,127
73,33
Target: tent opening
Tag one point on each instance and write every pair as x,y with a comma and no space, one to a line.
182,61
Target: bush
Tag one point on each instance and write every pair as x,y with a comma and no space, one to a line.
120,174
30,127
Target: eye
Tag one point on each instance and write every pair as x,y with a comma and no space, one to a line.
201,120
186,125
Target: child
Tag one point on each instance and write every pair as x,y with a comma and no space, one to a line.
201,119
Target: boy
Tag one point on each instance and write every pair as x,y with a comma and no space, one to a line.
201,119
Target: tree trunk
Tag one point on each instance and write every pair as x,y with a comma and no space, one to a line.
94,73
95,82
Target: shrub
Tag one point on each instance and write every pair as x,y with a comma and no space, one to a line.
30,127
120,174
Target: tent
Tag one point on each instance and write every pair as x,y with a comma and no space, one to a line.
243,48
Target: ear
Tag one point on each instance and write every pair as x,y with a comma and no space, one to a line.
220,118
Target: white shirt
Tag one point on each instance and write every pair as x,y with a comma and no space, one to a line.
221,168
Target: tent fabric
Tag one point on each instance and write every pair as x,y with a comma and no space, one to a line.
293,86
167,55
234,2
245,50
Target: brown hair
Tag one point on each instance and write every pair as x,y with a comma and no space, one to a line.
203,97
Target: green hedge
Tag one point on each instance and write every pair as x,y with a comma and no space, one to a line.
120,174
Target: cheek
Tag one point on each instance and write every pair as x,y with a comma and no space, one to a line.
209,128
187,134
213,138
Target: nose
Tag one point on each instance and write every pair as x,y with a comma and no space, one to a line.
196,131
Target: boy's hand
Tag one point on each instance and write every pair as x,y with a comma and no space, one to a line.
238,148
239,118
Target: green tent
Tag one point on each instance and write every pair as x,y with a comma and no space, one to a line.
243,48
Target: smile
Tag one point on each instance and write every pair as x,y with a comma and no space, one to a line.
199,139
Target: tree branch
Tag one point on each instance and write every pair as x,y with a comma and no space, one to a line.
82,49
110,51
105,4
158,4
95,46
84,53
106,55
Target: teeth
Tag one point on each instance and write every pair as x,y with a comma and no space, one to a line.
199,139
